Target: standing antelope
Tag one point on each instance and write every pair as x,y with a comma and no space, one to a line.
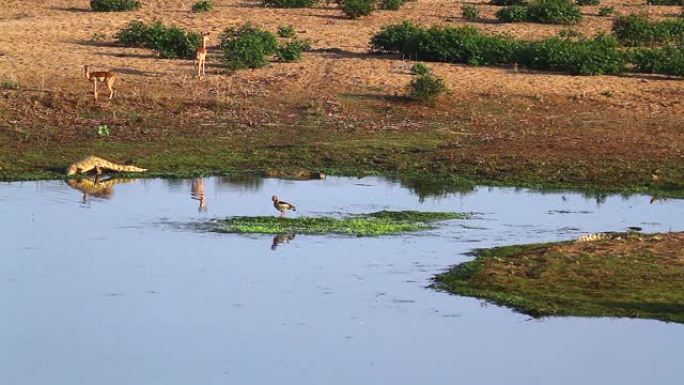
106,77
201,55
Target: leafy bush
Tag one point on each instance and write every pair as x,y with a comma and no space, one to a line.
599,55
419,69
542,11
289,3
606,11
203,6
9,84
664,2
596,56
554,12
292,50
286,31
569,33
247,47
426,88
635,30
135,34
391,5
446,44
509,2
513,14
357,8
396,38
170,42
470,12
587,2
667,60
114,5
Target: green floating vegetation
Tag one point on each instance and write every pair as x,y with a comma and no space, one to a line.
623,278
373,224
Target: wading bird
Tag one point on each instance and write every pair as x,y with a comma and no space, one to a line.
282,206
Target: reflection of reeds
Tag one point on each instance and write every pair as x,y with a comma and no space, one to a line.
243,182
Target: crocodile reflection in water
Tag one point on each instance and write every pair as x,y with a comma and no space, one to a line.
281,239
197,193
95,187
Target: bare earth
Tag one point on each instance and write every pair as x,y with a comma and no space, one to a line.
488,112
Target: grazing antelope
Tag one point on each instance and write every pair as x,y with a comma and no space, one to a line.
106,77
201,55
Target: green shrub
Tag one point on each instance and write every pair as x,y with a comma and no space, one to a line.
606,11
509,2
135,34
596,56
446,44
391,5
470,12
286,31
426,88
664,2
599,55
667,60
542,11
396,38
170,42
554,12
247,47
569,33
292,50
203,6
637,30
513,14
419,69
357,8
114,5
9,84
587,2
289,3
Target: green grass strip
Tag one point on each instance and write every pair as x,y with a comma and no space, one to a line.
373,224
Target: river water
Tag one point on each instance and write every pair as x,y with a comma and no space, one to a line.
105,288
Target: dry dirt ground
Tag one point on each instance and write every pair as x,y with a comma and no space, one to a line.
500,111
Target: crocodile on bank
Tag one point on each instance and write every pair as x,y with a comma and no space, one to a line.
99,165
610,235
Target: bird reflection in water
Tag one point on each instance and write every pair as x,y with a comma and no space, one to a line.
281,239
197,193
97,188
657,199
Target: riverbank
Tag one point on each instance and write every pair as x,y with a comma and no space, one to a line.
633,275
342,110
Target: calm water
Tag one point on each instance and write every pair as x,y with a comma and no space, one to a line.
107,290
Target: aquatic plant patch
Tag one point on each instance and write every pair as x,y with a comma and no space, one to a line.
627,275
373,224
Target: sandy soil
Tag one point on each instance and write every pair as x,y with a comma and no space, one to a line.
491,112
44,43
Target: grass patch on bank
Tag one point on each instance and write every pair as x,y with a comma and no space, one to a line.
373,224
635,276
